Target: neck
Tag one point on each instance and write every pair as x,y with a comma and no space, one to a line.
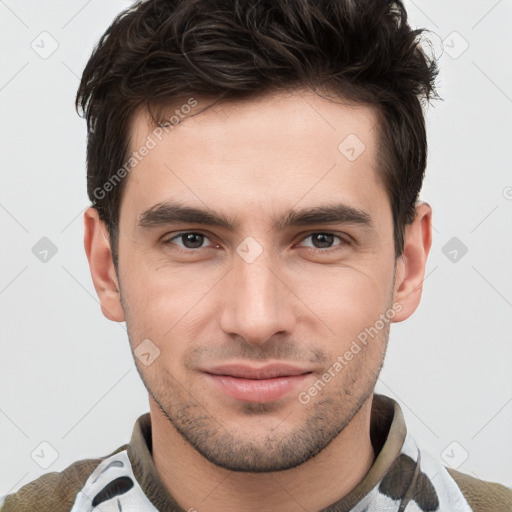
197,484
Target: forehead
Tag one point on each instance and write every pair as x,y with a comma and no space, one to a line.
278,148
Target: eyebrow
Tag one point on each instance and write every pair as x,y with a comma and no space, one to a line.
167,212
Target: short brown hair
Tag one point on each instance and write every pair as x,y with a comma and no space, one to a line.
160,50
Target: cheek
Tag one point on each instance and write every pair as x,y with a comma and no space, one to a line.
164,303
347,299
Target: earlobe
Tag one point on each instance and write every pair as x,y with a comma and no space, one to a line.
99,255
410,267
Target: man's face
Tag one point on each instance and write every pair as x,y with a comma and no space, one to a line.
248,317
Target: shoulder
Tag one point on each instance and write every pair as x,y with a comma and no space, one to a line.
55,491
483,496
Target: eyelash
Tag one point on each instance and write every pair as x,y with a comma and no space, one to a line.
341,237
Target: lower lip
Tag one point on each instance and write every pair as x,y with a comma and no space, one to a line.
257,390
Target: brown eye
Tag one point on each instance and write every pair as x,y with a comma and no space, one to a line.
189,240
320,240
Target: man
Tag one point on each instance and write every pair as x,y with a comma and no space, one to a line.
254,170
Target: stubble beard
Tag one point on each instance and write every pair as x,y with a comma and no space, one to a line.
328,415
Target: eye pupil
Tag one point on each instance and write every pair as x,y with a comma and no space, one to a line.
325,240
195,239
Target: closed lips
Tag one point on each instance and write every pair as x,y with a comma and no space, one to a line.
265,372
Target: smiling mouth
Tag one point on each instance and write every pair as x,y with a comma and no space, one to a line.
258,385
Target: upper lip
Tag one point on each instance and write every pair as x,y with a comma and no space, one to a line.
268,371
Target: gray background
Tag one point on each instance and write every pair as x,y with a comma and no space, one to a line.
67,376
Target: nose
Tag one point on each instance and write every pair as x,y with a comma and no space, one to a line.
258,303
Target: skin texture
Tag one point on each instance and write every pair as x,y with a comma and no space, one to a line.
303,300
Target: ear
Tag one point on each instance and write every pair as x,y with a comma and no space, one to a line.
97,248
410,266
